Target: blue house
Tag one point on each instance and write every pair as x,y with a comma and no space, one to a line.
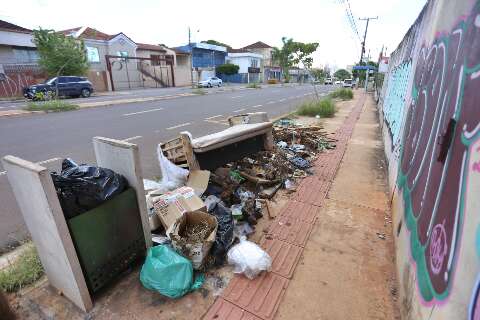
205,58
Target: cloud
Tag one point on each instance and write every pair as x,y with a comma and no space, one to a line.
237,24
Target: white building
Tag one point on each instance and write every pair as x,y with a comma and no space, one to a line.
250,64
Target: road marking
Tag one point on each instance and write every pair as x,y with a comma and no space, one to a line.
281,100
270,102
179,126
144,111
213,117
239,110
236,97
2,107
306,94
257,106
41,162
132,138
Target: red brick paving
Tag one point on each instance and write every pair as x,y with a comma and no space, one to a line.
224,310
259,298
285,256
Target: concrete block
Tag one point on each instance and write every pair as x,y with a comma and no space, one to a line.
36,196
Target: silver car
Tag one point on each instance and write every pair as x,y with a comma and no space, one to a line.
210,82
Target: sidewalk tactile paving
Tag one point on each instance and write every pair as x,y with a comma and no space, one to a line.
295,210
312,190
260,296
224,310
285,256
294,232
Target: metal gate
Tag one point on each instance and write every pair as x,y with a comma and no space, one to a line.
135,72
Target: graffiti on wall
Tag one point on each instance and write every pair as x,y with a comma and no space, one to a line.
440,152
394,103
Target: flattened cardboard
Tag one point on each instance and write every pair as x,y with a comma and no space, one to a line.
198,181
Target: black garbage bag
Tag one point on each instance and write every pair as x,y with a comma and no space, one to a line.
82,187
224,238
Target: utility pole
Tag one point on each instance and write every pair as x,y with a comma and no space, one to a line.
365,35
191,56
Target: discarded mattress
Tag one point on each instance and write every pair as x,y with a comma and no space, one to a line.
229,136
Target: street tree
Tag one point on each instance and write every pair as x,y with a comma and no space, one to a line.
342,74
60,54
319,74
293,53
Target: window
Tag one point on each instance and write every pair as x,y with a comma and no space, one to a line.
123,54
25,55
63,79
254,63
92,55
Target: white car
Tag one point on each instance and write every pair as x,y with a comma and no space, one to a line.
338,82
348,83
328,81
210,82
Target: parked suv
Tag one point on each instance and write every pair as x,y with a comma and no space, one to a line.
67,86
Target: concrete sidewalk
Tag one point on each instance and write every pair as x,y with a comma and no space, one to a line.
331,245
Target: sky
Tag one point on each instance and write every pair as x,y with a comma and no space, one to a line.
237,23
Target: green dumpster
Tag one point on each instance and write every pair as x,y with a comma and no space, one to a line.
108,239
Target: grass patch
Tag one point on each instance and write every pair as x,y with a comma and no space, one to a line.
199,91
254,85
25,270
325,108
343,93
51,106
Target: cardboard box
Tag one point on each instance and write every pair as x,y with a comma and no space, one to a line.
195,250
171,206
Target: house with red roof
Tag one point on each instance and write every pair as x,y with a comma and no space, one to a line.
269,69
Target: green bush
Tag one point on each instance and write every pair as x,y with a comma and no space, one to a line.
25,270
324,108
51,106
227,68
343,93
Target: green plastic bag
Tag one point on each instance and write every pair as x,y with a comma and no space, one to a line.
168,272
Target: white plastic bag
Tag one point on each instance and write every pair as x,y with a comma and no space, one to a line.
248,258
173,176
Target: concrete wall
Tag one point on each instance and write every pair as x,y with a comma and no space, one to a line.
430,119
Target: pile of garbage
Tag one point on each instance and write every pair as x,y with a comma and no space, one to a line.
202,214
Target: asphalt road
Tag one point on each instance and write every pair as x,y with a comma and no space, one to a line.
48,138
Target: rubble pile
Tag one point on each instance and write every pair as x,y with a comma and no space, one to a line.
260,176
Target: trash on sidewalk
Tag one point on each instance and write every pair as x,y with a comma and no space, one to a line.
168,273
193,234
170,206
248,258
224,237
172,175
84,187
198,181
